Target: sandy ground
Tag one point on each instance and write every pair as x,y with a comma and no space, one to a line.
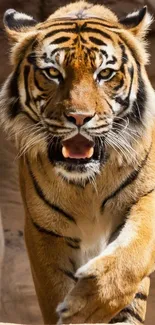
19,302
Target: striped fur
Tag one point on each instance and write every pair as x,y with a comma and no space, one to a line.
90,226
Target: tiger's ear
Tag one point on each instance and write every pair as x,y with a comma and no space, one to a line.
17,23
138,22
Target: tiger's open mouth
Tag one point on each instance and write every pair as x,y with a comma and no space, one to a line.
76,150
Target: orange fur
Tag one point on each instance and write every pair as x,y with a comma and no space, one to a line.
90,236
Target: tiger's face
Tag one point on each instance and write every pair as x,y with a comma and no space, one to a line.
77,84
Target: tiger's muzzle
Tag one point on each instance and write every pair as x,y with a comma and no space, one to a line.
77,150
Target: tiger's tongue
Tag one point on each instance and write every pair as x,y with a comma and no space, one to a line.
77,147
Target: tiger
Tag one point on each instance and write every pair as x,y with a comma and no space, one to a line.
79,107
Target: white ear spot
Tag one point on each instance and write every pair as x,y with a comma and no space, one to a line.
138,22
134,14
135,18
17,20
20,15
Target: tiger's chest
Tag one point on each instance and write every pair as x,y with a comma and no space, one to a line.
74,211
94,225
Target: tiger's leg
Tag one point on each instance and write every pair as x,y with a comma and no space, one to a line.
54,260
135,313
108,283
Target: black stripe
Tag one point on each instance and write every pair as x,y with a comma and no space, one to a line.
113,61
96,31
75,41
138,108
125,102
141,296
96,49
109,105
26,83
128,181
116,232
104,53
41,229
136,201
124,55
72,246
64,30
149,192
14,107
73,263
73,242
82,40
96,41
29,116
60,40
31,58
119,319
35,44
37,83
131,73
90,50
70,19
46,201
74,239
131,49
51,232
98,127
69,274
55,127
46,231
56,25
63,310
65,48
133,314
105,25
26,87
120,85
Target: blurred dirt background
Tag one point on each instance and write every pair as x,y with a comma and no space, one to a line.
19,302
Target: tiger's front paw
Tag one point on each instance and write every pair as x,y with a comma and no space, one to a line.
88,301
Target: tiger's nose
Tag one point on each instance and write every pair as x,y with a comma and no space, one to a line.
79,119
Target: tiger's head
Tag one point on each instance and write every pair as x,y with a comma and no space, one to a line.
79,88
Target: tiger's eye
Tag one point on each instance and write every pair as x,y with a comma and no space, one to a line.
53,72
106,73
